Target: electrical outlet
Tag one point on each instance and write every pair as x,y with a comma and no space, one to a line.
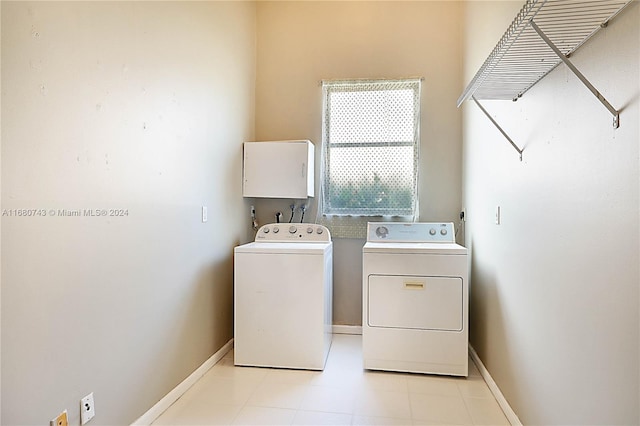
61,420
87,409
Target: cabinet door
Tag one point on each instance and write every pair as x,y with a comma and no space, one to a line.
278,169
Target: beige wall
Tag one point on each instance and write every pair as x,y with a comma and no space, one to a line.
554,288
119,105
302,43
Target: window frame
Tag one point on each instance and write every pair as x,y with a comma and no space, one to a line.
333,86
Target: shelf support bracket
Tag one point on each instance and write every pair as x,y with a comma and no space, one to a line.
513,144
583,79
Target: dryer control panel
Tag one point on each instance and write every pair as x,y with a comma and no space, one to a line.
411,232
293,232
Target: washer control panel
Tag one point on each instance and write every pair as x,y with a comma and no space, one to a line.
411,232
293,232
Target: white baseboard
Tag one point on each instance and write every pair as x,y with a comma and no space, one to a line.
346,329
495,390
160,407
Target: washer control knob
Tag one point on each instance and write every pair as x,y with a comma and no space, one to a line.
443,231
319,231
265,230
432,231
293,229
276,229
309,230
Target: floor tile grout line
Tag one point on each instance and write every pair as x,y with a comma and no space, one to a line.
466,406
244,404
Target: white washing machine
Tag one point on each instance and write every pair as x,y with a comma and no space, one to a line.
283,297
415,299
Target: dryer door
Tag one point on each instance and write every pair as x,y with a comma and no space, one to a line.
417,302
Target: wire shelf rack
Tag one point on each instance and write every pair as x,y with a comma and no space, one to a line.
544,34
522,58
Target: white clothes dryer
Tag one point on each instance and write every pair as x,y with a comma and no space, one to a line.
415,299
283,285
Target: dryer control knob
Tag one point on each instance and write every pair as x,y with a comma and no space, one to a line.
432,231
443,231
319,231
309,230
276,229
265,230
382,232
292,229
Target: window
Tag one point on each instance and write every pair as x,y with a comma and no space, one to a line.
370,141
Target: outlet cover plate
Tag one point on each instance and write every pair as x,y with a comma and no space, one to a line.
61,420
87,408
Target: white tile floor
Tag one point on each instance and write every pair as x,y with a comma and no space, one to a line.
342,394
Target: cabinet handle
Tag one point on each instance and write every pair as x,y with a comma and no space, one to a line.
414,285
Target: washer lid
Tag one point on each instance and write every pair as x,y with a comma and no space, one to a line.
414,248
285,248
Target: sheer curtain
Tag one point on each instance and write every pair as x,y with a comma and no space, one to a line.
370,152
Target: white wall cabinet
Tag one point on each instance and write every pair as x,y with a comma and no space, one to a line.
278,169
